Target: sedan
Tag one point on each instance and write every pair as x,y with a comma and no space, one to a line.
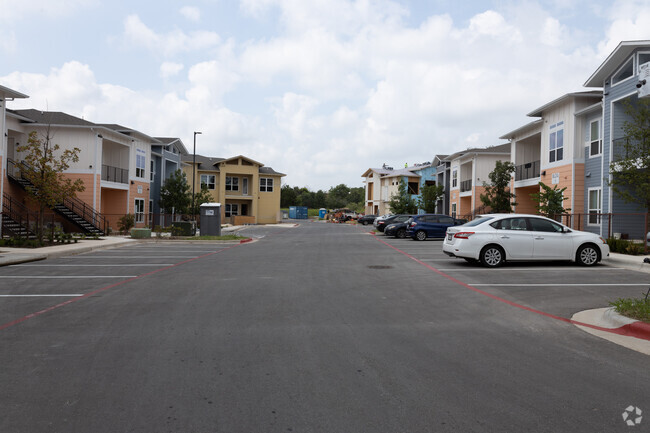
423,226
497,238
397,230
382,223
366,219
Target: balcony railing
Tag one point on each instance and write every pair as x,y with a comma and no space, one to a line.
528,170
115,174
466,185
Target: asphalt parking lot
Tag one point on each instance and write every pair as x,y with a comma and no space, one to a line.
556,288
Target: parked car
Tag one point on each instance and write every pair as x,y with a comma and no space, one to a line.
496,238
381,223
381,218
366,219
396,229
421,227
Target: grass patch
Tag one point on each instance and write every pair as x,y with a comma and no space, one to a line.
634,308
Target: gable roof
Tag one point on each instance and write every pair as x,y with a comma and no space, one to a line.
613,61
7,93
499,149
592,94
527,127
212,163
167,141
53,118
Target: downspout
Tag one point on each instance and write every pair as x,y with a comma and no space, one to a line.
3,169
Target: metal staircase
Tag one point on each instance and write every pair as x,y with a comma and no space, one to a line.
16,219
73,209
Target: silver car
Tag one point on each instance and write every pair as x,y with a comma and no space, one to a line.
496,238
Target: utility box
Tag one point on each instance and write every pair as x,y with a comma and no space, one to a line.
210,219
298,212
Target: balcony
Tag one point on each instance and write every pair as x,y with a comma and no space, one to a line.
466,185
115,174
529,170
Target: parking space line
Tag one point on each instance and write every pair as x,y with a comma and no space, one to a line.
618,331
562,284
89,266
41,296
573,269
125,279
29,277
127,257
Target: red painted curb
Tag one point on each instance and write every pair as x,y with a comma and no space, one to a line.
243,241
637,329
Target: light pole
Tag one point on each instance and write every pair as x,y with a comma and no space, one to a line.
194,173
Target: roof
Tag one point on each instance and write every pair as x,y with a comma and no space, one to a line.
7,93
166,141
212,163
501,149
594,94
529,126
53,118
613,61
126,131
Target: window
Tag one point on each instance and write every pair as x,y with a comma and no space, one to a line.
208,180
556,142
152,171
593,206
453,210
445,220
540,225
511,224
150,213
643,58
626,71
244,185
266,184
232,209
140,162
454,178
139,210
232,183
595,144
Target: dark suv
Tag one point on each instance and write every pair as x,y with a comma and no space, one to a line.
425,226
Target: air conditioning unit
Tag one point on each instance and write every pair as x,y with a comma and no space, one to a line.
643,85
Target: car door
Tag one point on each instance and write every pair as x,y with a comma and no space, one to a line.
550,241
513,235
428,223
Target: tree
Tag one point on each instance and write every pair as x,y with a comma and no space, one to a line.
288,196
549,200
175,193
497,194
203,196
429,197
338,196
402,202
630,168
44,167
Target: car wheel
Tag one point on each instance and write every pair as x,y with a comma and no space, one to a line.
365,223
492,256
588,255
420,235
401,234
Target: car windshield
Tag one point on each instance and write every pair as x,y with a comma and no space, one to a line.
477,221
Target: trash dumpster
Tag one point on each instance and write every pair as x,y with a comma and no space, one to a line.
210,219
298,212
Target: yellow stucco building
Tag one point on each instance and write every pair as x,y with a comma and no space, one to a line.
249,193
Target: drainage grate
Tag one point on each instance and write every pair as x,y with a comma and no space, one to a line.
380,267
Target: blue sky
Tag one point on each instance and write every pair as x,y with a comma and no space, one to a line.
319,90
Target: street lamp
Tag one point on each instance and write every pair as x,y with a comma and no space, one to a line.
194,173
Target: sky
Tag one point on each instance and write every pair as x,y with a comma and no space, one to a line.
320,90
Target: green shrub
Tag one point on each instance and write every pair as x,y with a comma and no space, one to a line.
634,308
126,223
624,246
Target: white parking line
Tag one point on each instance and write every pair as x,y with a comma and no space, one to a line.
41,296
31,277
464,269
128,257
89,266
560,284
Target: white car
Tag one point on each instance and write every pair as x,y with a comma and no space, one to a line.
496,238
380,218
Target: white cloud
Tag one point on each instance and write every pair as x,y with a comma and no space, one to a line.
170,69
19,10
191,13
630,21
176,41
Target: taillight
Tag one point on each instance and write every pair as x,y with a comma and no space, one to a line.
463,235
413,224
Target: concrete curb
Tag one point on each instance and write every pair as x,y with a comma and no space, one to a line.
634,263
608,320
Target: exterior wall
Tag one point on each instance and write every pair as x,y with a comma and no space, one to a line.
114,205
564,175
139,190
525,203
